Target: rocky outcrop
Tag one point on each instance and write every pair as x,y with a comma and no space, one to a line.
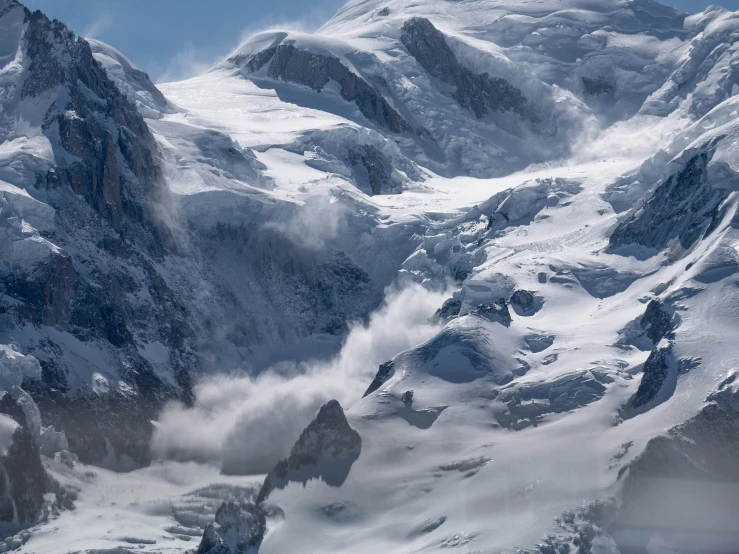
98,282
449,310
112,429
525,303
239,526
326,449
495,312
658,382
24,480
523,300
291,64
480,93
109,153
657,322
685,208
386,371
372,171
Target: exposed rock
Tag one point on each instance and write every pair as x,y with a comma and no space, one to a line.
657,322
684,207
238,527
111,429
326,449
496,312
24,484
99,283
372,171
291,64
97,125
383,374
524,300
449,310
658,382
479,93
407,398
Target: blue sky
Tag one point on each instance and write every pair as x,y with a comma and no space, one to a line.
172,39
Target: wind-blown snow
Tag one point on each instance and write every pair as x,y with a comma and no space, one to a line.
247,424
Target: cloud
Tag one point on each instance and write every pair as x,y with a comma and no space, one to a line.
246,424
98,26
318,221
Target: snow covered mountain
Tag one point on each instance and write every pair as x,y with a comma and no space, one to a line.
441,276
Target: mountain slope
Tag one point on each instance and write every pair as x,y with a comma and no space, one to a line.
560,170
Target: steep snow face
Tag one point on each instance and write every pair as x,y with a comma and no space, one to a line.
130,80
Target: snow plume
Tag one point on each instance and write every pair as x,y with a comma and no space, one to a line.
187,62
98,26
248,423
318,221
310,20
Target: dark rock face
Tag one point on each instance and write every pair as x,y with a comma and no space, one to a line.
315,71
372,170
22,492
239,526
525,303
523,299
496,312
106,187
657,369
684,207
383,374
110,429
657,322
449,310
326,449
479,93
98,125
684,483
